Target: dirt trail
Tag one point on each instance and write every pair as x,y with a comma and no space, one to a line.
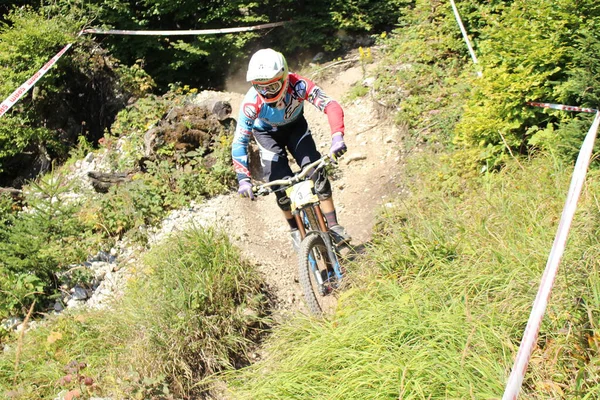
363,182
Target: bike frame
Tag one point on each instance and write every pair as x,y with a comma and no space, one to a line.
303,214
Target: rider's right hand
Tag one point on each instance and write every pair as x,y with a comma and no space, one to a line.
338,147
245,189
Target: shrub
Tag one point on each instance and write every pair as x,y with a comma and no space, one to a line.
130,208
40,243
192,308
542,58
211,307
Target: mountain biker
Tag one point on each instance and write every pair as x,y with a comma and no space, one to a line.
273,112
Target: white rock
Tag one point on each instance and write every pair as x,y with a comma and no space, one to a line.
73,303
368,82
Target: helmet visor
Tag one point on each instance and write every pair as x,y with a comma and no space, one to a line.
269,90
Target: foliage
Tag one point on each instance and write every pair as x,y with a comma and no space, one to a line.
544,57
420,79
55,354
24,48
193,308
184,58
358,90
170,180
39,243
79,96
332,26
133,207
130,208
141,115
367,15
547,57
212,307
204,61
437,308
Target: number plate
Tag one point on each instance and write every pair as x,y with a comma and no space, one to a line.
302,194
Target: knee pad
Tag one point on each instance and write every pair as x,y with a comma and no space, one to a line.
283,201
322,185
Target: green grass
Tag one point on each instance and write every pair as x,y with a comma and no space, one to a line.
192,309
440,306
358,90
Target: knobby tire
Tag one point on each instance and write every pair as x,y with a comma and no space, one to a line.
316,302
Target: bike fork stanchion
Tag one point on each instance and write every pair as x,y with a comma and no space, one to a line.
300,224
315,269
331,253
320,219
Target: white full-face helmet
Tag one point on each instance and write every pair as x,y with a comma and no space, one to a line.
268,73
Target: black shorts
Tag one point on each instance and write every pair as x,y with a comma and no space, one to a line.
296,139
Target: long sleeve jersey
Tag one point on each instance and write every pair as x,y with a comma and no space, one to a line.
256,115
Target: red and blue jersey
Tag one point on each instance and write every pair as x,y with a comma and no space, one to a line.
256,115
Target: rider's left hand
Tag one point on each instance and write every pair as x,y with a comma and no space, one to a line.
338,146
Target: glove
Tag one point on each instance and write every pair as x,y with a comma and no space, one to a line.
338,147
245,189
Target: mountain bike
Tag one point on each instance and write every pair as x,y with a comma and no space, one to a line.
320,272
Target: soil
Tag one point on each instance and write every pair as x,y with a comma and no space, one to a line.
367,178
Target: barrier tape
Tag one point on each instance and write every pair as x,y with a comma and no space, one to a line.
14,97
181,33
528,343
17,94
465,36
562,107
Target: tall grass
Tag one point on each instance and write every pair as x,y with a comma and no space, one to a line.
192,309
440,306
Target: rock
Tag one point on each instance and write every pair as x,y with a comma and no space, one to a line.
192,127
73,303
368,82
58,306
355,157
101,268
79,293
222,110
11,323
318,57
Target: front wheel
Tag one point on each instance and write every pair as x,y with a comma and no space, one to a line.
317,275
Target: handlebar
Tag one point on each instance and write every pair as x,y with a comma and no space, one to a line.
312,168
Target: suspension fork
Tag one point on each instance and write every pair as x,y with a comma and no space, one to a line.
316,222
314,215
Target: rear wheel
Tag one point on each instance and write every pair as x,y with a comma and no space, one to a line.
317,276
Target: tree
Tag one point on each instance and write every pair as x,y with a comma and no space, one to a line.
80,95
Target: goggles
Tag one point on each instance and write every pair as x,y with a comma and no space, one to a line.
269,90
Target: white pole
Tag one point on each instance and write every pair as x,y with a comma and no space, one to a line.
464,33
528,343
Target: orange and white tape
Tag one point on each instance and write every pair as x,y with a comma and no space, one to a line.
17,94
562,107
